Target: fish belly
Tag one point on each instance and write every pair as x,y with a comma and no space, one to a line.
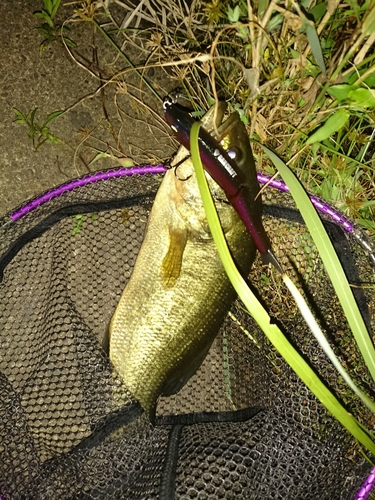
166,321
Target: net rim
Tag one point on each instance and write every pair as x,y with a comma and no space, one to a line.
322,207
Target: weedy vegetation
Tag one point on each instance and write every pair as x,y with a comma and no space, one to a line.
50,30
301,75
39,133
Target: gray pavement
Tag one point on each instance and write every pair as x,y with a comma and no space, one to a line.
53,81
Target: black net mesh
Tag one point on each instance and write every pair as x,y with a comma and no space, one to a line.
244,426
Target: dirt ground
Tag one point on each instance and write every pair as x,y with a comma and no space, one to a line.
53,81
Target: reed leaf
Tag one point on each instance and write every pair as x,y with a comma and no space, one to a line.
274,334
330,261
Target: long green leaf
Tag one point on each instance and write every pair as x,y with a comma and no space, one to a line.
48,6
52,116
332,125
330,261
278,339
55,7
323,342
21,117
340,91
314,42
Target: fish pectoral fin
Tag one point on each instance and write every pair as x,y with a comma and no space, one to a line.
172,262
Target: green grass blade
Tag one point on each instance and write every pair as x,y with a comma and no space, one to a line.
261,316
330,261
323,342
125,57
314,42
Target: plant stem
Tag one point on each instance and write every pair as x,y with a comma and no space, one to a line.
125,57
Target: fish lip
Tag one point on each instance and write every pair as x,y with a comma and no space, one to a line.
218,128
213,119
228,125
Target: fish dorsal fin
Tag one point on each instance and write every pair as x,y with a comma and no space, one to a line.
172,262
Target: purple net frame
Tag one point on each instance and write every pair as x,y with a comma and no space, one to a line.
83,181
369,483
158,169
45,197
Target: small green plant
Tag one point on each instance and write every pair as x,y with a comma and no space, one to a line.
78,222
38,133
49,29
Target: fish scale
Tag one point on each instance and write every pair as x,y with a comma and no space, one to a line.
179,294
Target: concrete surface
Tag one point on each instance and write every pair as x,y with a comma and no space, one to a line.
53,81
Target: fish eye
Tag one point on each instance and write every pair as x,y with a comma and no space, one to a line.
234,154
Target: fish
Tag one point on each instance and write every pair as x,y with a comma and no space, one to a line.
179,293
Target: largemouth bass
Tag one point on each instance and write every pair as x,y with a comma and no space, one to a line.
179,294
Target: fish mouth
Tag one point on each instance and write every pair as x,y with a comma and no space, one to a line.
232,135
212,121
